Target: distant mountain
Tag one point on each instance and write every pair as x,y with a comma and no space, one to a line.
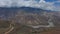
6,12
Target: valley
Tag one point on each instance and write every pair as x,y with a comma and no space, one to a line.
29,21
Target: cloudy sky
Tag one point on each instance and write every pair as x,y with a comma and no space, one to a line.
43,4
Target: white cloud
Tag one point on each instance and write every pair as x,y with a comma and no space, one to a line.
30,3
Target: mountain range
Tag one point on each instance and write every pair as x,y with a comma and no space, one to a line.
29,15
5,12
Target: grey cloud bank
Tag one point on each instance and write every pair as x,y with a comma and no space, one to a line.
29,3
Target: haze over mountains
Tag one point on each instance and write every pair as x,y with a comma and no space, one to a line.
6,12
31,3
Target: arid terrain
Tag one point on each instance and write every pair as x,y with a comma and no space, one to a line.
37,21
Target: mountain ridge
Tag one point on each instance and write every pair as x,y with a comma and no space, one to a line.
6,12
